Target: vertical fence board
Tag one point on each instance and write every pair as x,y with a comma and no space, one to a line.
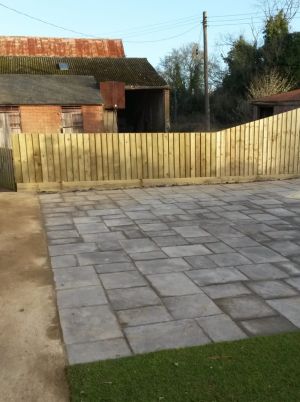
30,158
160,147
116,156
150,155
177,155
132,155
144,156
98,145
17,158
122,156
93,158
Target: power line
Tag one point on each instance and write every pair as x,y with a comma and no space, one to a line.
165,39
44,21
171,24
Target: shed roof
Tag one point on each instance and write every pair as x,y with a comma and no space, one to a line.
60,47
17,89
135,72
284,97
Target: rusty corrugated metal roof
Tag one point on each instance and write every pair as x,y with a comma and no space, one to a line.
284,97
136,72
60,47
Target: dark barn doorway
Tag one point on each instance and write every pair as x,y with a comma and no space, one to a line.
144,111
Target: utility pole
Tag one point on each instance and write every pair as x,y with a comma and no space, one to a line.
207,106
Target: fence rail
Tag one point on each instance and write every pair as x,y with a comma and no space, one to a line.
264,148
7,178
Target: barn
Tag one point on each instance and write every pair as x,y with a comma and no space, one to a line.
78,85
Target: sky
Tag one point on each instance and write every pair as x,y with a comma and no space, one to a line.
148,28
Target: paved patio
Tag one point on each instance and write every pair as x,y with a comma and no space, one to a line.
148,269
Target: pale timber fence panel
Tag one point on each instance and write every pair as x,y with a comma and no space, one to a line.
7,178
260,149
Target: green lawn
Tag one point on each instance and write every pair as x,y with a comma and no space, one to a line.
255,370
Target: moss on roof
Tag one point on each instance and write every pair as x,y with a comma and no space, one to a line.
133,71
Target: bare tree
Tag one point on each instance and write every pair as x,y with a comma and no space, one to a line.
269,84
273,7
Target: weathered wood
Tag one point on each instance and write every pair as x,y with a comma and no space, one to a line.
7,178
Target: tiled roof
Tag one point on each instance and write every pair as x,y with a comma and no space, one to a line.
285,97
134,72
16,89
60,47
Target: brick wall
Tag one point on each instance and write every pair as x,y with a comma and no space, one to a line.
40,119
92,119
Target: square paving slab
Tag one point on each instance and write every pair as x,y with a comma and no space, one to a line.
141,270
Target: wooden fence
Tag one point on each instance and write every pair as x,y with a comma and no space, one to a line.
267,148
7,178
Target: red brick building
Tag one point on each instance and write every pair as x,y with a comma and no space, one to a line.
78,85
49,104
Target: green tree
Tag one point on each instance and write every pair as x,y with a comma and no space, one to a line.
183,71
275,34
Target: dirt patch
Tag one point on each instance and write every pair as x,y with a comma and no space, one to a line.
32,356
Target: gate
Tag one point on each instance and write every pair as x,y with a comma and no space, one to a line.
7,177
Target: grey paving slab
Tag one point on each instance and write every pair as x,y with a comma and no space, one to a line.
272,289
96,351
295,282
143,315
89,324
86,219
205,277
169,335
261,254
245,307
167,265
289,308
122,280
285,248
103,237
86,228
114,267
164,241
268,326
226,290
219,248
103,212
153,227
240,242
105,257
221,328
81,297
191,231
72,278
191,306
260,272
186,251
124,299
173,284
138,245
200,262
150,255
64,261
291,268
62,234
229,259
72,249
140,215
117,222
59,221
